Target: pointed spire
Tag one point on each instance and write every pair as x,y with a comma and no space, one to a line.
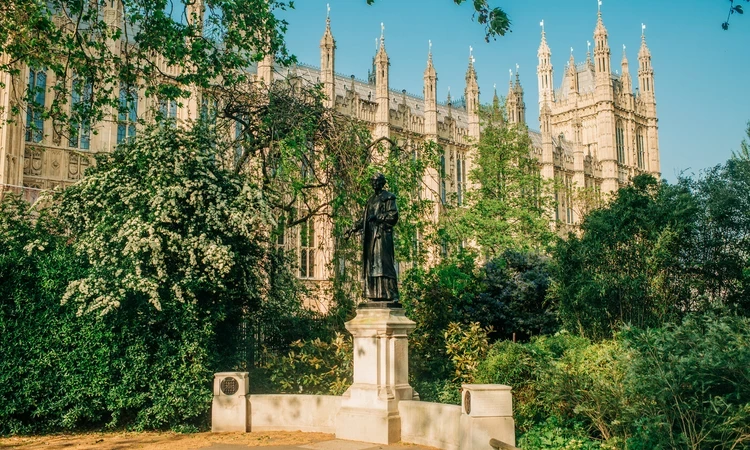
517,86
471,59
471,74
602,63
644,51
645,71
430,70
600,29
495,98
571,62
588,52
328,61
449,102
543,46
382,36
572,74
327,39
627,82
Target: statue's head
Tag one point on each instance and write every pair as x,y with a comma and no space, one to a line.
377,181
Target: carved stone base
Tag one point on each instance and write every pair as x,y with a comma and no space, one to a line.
369,408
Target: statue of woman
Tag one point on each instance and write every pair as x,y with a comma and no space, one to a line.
380,283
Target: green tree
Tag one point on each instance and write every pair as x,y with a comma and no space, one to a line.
629,263
516,284
123,43
719,258
509,207
159,221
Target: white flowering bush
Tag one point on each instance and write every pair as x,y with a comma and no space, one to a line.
120,301
158,221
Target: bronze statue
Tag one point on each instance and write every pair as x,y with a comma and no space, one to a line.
380,283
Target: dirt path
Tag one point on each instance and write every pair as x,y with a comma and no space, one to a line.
161,441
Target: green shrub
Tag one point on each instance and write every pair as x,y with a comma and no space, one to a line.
683,385
587,384
438,391
466,347
556,434
433,299
312,367
516,284
523,367
690,384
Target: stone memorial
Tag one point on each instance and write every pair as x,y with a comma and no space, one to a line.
369,408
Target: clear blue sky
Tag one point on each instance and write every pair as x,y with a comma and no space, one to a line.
701,71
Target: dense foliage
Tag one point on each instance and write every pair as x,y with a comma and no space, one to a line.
507,206
171,251
680,386
657,252
627,264
458,305
135,367
312,367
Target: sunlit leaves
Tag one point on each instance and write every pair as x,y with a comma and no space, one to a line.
495,20
165,48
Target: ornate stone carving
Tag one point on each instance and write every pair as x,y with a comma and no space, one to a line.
76,166
32,161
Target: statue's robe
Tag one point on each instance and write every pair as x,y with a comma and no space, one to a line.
378,256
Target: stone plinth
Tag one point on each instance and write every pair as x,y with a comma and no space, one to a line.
229,410
486,412
369,408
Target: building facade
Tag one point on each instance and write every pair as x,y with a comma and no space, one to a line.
596,130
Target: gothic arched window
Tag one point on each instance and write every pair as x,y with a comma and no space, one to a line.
620,140
307,249
35,106
127,116
443,193
80,112
641,148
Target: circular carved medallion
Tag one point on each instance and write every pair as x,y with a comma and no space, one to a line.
467,402
229,386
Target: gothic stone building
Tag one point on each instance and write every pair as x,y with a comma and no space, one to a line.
596,131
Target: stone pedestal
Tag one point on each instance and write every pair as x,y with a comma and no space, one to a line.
486,413
369,408
229,410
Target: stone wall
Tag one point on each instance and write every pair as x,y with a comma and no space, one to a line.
433,424
289,412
